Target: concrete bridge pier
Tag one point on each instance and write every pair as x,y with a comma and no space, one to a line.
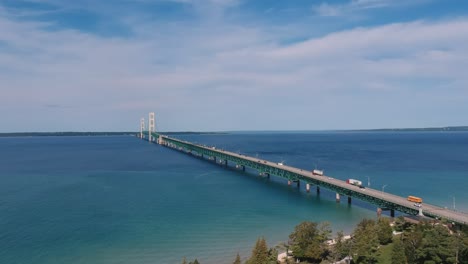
318,190
349,199
289,182
337,197
379,212
307,187
241,167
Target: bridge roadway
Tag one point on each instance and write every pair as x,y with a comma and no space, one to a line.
386,201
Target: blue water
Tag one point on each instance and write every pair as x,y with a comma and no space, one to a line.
122,200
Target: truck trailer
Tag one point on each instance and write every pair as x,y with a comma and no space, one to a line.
354,182
317,172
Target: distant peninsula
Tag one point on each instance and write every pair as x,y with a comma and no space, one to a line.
63,134
448,128
70,134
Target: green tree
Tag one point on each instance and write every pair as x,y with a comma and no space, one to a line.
238,260
366,242
259,253
384,231
412,240
437,246
398,252
462,247
462,253
272,255
402,225
339,249
427,243
308,241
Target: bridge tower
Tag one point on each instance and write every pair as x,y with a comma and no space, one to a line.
142,127
151,126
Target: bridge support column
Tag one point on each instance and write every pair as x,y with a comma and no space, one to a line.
298,183
225,163
243,168
337,197
379,212
318,190
392,213
349,199
289,182
420,212
307,187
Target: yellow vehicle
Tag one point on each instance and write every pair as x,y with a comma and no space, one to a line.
414,199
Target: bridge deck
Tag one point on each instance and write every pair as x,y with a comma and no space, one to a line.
384,200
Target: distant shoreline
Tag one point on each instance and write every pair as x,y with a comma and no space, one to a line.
126,133
71,134
449,128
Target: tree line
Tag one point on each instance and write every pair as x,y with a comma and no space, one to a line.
422,243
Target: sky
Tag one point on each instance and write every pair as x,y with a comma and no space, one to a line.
229,65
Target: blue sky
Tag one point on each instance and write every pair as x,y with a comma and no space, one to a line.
223,65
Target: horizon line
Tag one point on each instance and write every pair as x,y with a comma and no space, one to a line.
450,128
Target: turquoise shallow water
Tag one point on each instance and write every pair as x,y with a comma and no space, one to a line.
122,200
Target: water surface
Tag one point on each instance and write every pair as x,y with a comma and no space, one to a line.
122,200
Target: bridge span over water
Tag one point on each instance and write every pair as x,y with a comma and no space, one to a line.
385,201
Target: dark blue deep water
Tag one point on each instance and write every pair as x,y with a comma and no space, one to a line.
122,200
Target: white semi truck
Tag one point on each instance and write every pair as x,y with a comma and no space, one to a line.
355,182
317,172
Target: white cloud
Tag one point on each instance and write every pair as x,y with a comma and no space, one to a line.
356,6
324,9
220,76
